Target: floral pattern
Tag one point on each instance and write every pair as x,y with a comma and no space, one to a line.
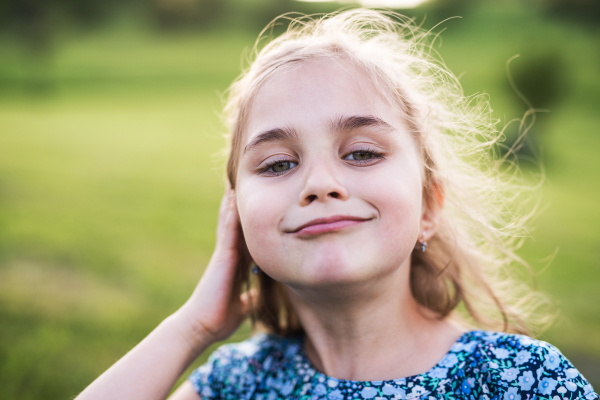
481,365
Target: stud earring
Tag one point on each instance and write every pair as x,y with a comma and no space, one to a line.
255,269
423,243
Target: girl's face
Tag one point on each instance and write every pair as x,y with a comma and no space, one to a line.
329,188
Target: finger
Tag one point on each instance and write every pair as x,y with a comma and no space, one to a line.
224,209
228,231
225,201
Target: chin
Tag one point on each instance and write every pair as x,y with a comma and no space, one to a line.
338,267
332,262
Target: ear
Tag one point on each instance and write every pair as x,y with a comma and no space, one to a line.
433,203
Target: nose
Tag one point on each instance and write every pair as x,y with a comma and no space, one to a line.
321,184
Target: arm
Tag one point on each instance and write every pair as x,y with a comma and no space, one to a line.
185,392
212,313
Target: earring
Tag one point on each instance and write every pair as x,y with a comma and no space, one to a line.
255,269
423,243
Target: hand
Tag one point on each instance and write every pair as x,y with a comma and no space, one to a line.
215,309
212,313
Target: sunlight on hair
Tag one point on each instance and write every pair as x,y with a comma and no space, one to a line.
398,4
467,271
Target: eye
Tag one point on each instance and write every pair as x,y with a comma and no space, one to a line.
360,155
364,156
278,167
281,166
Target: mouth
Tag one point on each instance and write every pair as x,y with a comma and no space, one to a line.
329,224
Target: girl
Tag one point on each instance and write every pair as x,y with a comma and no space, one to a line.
366,208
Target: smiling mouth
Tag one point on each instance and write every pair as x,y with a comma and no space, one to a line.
330,224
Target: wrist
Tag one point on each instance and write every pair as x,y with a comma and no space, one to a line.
191,331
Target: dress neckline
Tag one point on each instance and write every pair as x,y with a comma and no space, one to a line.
304,366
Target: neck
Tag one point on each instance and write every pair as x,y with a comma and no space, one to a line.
372,331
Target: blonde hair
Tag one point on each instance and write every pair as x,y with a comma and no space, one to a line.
468,259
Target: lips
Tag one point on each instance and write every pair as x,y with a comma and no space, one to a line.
329,224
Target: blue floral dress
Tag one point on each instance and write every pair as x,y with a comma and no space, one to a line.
480,365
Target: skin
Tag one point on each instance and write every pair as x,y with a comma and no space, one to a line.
350,287
347,279
328,181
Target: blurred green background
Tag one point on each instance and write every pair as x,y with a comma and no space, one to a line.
110,175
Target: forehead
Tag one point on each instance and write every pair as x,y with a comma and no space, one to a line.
308,94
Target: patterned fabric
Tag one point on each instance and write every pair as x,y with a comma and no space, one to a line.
480,365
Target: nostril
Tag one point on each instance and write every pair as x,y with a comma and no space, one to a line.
335,195
311,198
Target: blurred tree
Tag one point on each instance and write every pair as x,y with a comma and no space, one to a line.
34,24
540,79
35,20
580,10
440,10
177,14
540,82
30,20
251,15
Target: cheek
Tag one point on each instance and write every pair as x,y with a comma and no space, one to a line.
398,198
260,215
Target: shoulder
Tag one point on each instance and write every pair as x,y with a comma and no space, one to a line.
236,368
516,367
255,349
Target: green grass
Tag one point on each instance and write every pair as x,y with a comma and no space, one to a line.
109,185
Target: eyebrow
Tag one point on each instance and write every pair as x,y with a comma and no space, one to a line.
340,124
350,123
272,135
